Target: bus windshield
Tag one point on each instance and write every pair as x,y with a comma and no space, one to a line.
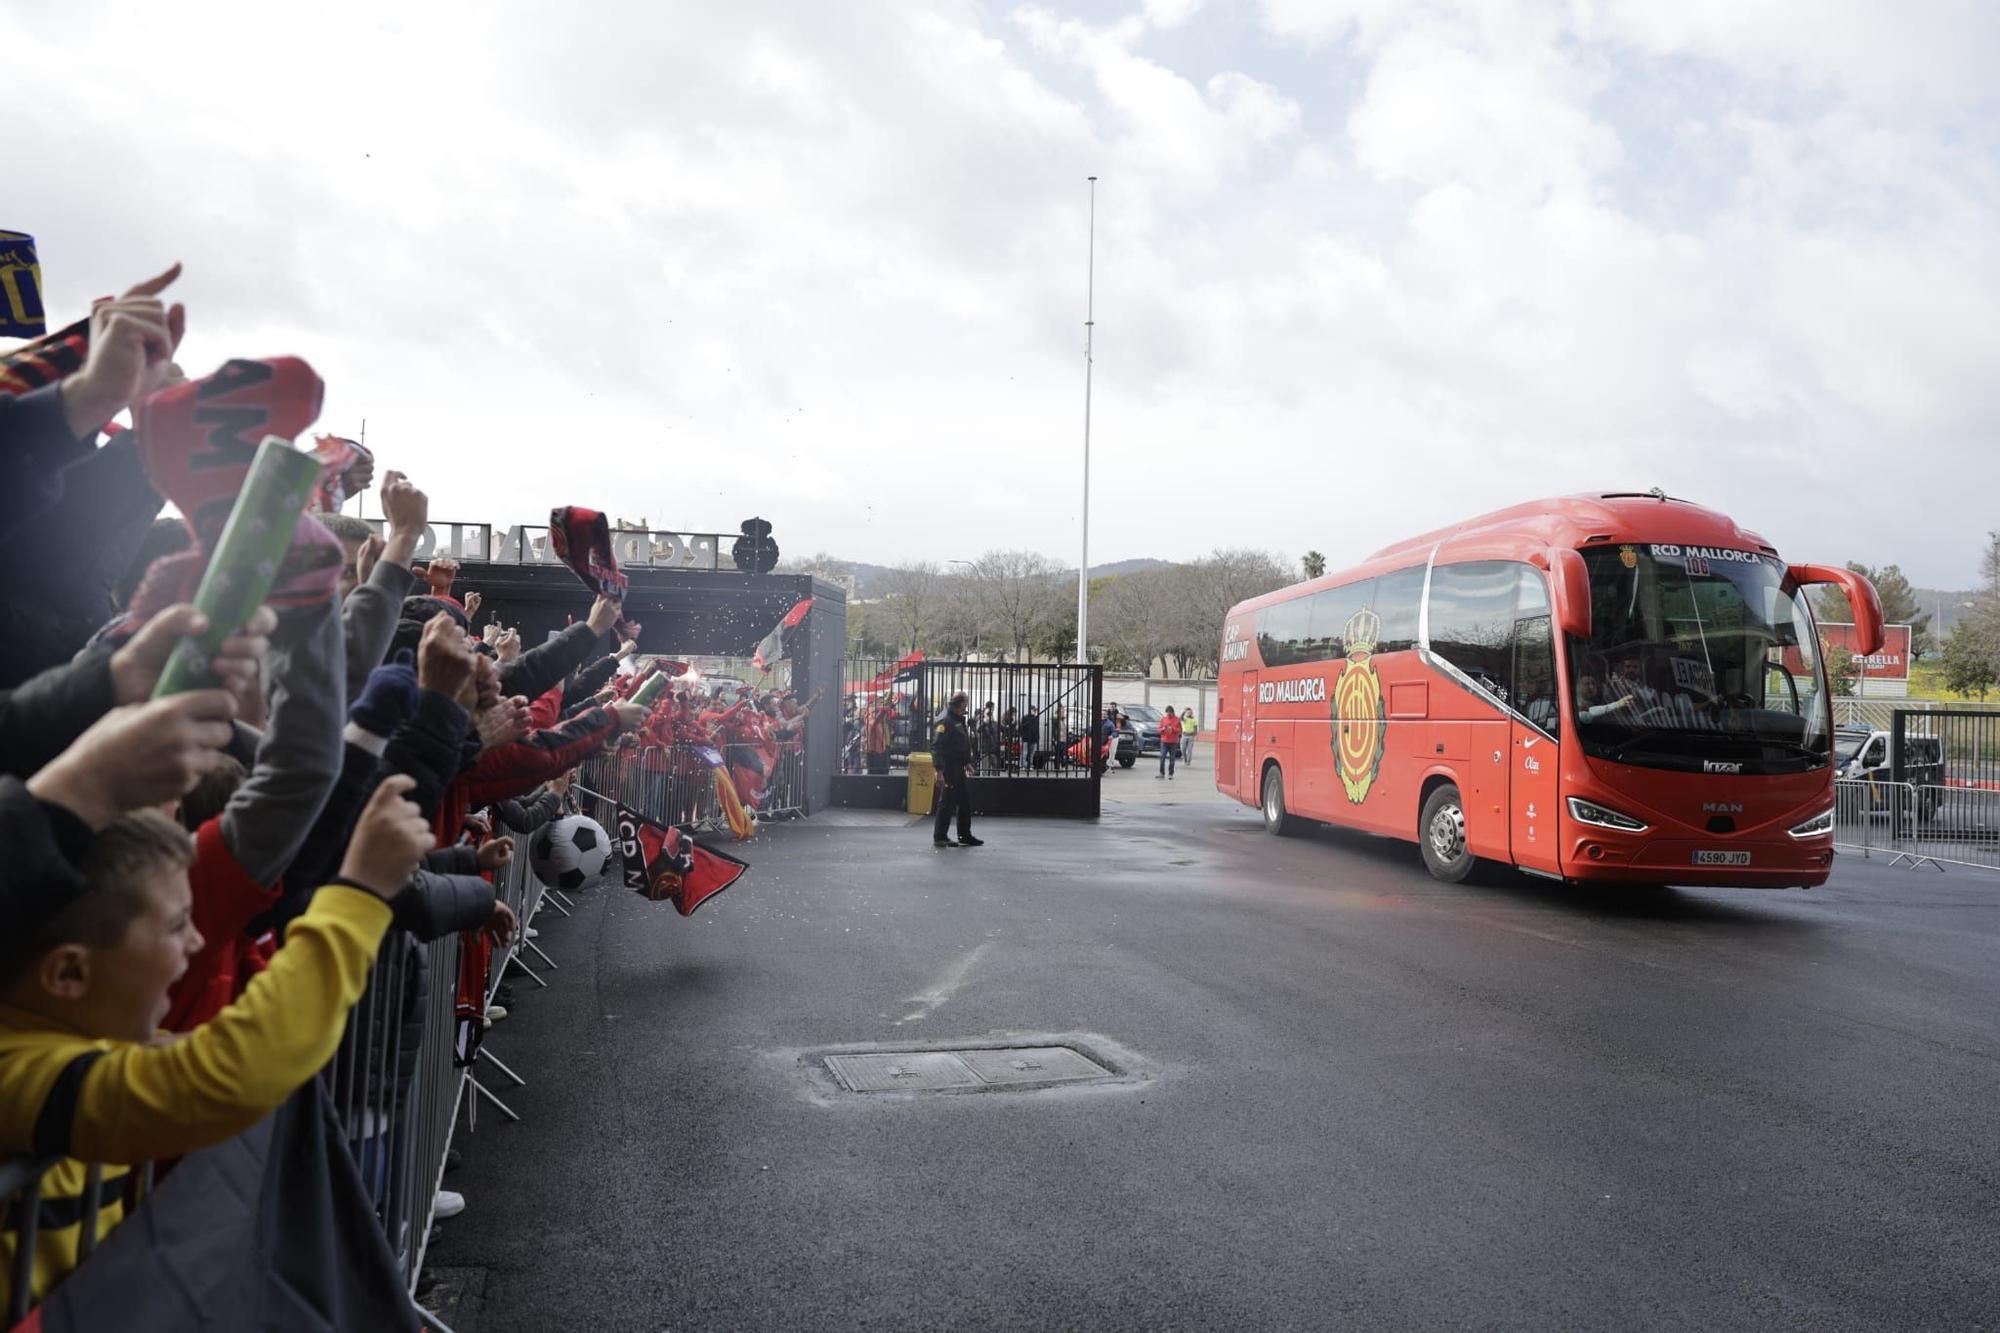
1699,657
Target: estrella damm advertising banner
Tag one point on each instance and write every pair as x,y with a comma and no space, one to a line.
1891,663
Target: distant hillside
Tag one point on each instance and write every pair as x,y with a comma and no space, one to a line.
1127,567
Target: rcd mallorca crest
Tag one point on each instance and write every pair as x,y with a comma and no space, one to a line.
1360,731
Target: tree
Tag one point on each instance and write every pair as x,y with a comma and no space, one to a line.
1971,662
1131,617
1314,565
820,564
957,630
1017,594
1972,651
1899,604
1841,669
912,603
1206,589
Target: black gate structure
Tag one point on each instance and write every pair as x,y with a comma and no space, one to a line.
889,707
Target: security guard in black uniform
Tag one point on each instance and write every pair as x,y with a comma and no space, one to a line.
951,755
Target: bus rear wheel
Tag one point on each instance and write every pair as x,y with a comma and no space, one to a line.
1276,819
1441,833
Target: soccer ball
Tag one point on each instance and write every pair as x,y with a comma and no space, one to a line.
569,852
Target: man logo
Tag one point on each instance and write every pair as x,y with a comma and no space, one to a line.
1722,807
1360,732
1720,766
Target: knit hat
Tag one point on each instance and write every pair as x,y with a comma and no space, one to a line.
417,613
388,699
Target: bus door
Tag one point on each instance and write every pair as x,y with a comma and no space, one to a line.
1532,755
1246,742
1532,798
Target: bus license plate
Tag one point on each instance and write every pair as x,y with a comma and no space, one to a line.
1722,858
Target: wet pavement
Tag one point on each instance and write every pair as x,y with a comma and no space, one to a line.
1346,1095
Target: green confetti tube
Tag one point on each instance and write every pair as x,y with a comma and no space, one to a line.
650,690
245,564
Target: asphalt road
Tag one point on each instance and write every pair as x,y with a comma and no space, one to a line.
1354,1097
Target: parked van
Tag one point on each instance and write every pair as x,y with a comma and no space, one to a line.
1862,754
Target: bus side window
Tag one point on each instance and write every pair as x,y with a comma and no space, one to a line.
1472,621
1534,653
1398,597
1282,631
1333,611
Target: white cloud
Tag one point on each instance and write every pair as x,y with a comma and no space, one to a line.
1170,13
1370,268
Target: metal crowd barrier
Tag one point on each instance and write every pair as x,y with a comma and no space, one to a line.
1918,824
395,1087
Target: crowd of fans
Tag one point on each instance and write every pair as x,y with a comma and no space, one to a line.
195,886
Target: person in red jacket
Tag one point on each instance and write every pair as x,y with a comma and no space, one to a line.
1170,743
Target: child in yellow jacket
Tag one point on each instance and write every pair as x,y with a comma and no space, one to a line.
85,1075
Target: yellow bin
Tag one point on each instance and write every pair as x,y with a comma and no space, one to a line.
923,783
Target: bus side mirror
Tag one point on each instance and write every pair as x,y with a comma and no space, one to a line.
1861,600
1571,577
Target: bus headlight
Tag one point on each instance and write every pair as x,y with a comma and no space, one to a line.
1818,826
1603,816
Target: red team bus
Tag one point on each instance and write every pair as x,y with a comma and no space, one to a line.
1616,687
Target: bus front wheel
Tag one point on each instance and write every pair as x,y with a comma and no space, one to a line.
1276,819
1441,833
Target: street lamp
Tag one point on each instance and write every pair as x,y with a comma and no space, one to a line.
975,632
1089,335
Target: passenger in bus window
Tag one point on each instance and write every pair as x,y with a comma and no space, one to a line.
1590,703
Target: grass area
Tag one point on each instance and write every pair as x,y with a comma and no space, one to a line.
1927,682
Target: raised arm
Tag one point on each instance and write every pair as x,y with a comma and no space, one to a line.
372,609
299,757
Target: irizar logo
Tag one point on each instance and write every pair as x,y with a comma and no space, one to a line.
1720,766
1722,807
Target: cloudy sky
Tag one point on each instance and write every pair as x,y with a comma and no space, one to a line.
1363,266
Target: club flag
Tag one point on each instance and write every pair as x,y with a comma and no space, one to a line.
772,649
20,287
741,822
662,863
905,669
336,457
582,540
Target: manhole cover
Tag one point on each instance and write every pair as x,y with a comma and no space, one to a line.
904,1069
933,1071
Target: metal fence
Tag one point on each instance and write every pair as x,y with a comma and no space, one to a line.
675,784
398,1080
1965,742
1918,824
889,706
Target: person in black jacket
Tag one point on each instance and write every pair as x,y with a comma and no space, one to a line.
1031,738
951,752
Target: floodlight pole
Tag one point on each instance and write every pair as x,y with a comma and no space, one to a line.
1089,336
